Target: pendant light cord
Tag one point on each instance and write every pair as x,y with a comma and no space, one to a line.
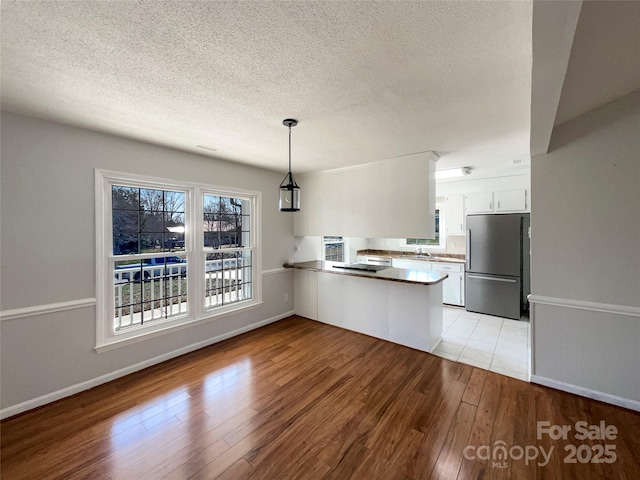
289,150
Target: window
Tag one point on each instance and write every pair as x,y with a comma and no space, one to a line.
171,254
438,241
227,246
333,249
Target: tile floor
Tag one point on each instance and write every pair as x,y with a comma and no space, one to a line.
498,344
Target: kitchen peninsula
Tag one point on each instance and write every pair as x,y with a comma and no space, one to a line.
400,305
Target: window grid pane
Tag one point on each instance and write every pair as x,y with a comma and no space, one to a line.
228,278
146,220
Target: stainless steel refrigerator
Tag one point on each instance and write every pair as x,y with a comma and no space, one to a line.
497,273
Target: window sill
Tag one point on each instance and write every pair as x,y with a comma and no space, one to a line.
173,326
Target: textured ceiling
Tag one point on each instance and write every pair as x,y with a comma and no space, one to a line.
605,58
366,80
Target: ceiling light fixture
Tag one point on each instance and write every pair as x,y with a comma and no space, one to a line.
453,172
289,189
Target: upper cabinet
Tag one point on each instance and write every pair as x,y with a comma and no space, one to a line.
510,201
504,201
479,202
389,199
454,214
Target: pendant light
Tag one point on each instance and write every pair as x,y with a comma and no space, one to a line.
289,189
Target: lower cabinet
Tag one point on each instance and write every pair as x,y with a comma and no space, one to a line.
452,287
403,313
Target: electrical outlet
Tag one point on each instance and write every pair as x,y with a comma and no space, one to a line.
286,297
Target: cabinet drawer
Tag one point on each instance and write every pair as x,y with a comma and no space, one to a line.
447,267
411,264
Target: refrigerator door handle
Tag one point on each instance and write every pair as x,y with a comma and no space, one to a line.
484,277
468,259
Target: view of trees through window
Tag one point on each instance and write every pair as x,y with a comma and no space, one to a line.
223,222
147,220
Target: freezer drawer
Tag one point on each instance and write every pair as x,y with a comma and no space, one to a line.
493,295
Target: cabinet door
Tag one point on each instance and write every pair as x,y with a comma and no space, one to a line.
454,214
510,201
479,202
451,291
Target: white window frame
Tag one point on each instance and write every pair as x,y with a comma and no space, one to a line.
106,337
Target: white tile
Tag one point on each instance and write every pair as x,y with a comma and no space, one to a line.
450,348
448,356
461,330
458,340
488,329
515,324
446,324
512,344
509,363
491,320
513,335
471,315
522,355
451,312
474,363
481,345
478,355
482,335
467,321
509,373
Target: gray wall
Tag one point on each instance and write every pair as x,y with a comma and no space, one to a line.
48,250
586,208
585,255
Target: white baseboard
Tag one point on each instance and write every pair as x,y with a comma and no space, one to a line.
586,392
94,382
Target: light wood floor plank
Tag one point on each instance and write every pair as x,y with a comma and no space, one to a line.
300,399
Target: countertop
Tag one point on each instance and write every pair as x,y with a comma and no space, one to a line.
389,274
436,258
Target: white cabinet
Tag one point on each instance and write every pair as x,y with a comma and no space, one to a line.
404,313
479,202
454,214
504,201
452,287
510,200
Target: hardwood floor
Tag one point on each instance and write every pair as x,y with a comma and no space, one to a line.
299,399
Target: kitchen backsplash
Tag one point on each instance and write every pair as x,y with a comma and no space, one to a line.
455,244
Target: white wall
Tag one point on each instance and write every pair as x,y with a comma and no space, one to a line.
48,252
585,261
